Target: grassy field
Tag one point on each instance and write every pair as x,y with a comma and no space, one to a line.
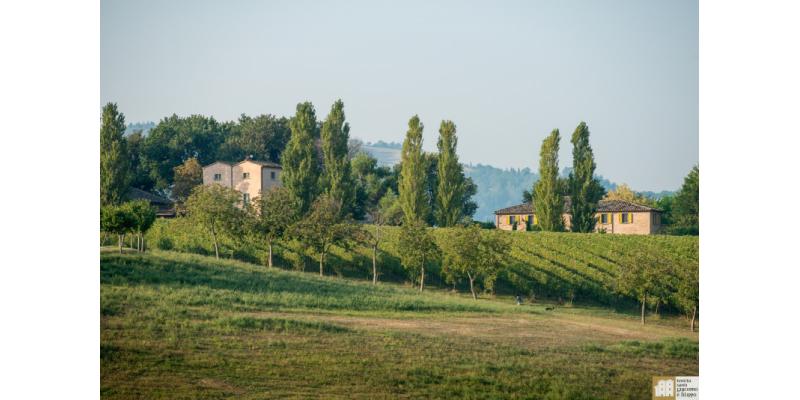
188,326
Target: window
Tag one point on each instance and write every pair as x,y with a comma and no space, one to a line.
272,175
245,175
246,198
217,177
512,219
656,218
603,218
626,218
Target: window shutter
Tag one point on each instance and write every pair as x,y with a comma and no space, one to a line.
630,218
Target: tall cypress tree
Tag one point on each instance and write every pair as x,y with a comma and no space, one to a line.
336,177
547,199
413,200
300,169
585,190
114,161
450,193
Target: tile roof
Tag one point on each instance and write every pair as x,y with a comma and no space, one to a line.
602,206
263,163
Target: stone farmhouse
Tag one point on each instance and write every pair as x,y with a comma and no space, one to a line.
249,177
613,216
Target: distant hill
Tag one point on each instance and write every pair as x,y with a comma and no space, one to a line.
387,154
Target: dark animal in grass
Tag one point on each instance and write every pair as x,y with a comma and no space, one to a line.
551,308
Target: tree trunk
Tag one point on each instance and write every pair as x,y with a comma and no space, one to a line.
321,262
658,304
472,286
269,259
216,246
121,238
422,279
375,265
694,314
644,302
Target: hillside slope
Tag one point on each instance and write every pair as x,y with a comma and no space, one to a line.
581,267
187,326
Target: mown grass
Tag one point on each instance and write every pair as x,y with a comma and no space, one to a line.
184,326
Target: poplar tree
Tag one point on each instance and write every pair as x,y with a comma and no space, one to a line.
547,199
450,193
336,177
114,160
584,188
413,200
686,211
300,172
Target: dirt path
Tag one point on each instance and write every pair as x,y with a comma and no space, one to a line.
528,330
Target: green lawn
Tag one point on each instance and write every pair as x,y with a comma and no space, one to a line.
186,326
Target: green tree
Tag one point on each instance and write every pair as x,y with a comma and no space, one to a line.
686,211
666,204
300,172
215,208
263,137
371,183
450,193
687,295
475,254
176,139
187,176
116,219
114,158
143,215
275,211
548,201
468,205
585,189
640,276
323,227
140,176
387,212
417,248
625,193
412,183
336,177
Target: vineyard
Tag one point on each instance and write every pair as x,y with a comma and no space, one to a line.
555,266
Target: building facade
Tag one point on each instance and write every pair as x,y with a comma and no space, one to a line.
613,216
249,177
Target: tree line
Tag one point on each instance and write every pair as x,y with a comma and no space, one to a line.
680,213
327,186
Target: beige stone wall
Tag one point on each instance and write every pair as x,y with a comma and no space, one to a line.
642,223
267,179
260,177
217,168
250,185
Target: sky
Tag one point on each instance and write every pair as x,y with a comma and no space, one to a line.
506,72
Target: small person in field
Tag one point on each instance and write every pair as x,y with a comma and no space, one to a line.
519,300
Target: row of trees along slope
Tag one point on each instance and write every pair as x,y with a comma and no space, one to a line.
313,213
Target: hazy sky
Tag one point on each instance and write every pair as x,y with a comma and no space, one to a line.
505,72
